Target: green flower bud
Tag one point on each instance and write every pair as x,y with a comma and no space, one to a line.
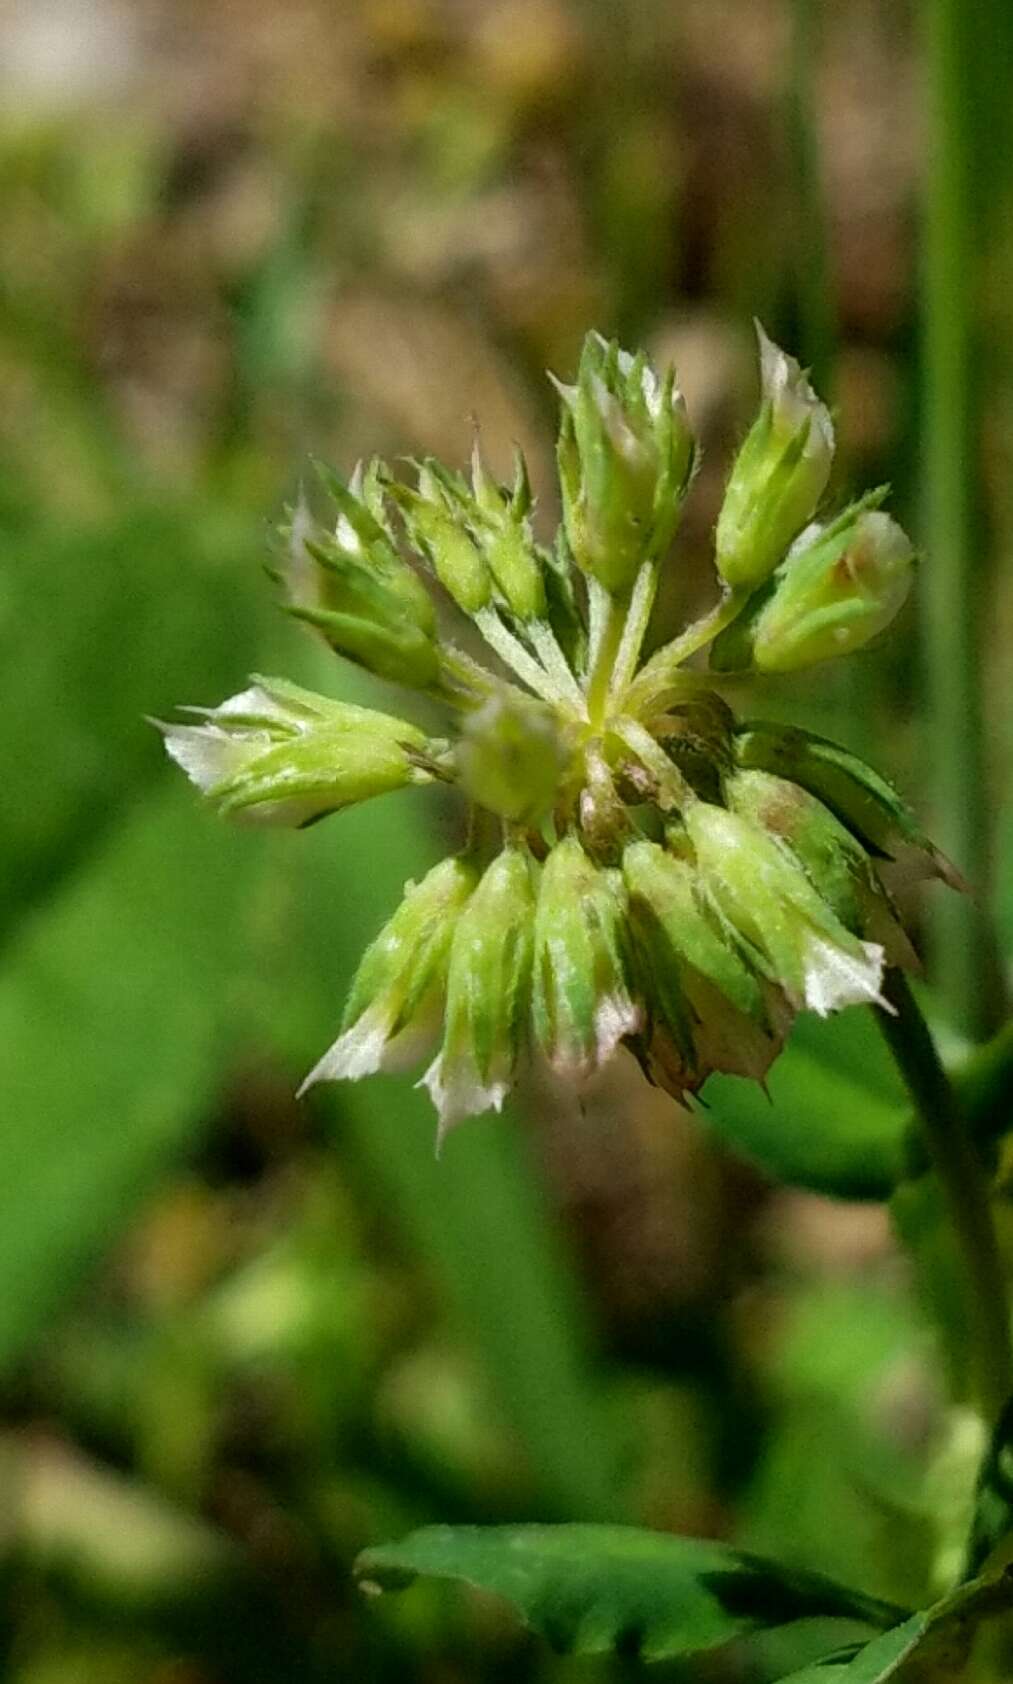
625,456
487,993
436,526
502,529
833,860
396,996
838,587
363,531
699,990
582,1006
856,794
512,757
785,926
276,754
355,589
779,474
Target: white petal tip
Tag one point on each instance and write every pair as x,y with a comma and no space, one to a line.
358,1052
835,978
460,1093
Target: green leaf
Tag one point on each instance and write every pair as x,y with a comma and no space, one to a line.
113,1008
599,1589
98,628
938,1639
832,1117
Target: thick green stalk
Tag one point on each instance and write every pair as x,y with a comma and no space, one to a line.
964,1187
951,581
810,245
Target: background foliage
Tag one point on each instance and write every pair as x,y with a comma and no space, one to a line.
241,1338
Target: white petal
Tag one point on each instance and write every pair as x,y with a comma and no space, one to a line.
255,704
301,572
836,978
347,537
358,1052
410,1045
615,1016
458,1092
207,754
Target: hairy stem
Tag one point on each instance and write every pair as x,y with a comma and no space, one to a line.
964,1187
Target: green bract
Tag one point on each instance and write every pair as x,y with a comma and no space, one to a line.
641,869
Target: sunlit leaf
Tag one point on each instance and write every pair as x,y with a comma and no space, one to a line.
601,1589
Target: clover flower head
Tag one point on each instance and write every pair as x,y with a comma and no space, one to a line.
642,869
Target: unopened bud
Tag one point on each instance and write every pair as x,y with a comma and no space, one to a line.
856,793
438,529
275,754
838,587
395,999
625,456
512,756
783,922
488,988
353,587
502,529
700,991
779,474
832,858
582,1004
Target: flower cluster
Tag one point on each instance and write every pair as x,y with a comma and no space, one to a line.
642,868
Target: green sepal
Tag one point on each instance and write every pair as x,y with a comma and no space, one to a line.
863,800
582,1005
488,987
437,528
325,771
778,476
400,653
832,858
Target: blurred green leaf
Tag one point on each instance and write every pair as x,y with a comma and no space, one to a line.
97,629
114,1003
852,1390
932,1646
602,1589
833,1117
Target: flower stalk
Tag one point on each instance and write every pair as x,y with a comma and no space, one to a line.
964,1187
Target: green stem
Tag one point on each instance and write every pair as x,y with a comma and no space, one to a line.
811,244
648,688
964,1187
951,589
613,623
634,631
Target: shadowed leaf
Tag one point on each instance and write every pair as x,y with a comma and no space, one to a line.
601,1589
